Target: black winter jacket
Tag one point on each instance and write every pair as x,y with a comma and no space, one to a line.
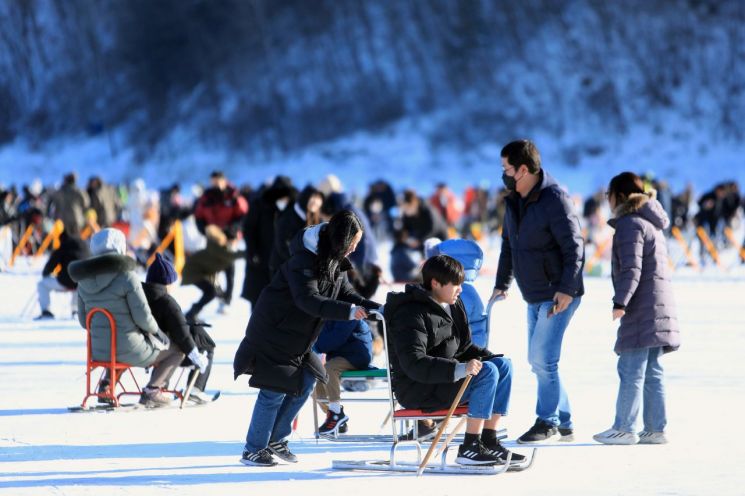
542,244
167,313
287,318
286,227
425,345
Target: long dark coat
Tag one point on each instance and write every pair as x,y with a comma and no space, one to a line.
287,318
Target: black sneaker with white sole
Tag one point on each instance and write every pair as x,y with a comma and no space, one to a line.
475,454
282,451
541,432
263,458
502,453
567,435
334,422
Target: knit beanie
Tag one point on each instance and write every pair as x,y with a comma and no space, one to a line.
161,271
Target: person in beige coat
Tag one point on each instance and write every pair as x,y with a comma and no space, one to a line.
108,280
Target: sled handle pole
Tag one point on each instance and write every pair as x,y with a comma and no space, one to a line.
188,389
444,425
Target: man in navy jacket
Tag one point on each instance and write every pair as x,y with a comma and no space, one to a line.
542,248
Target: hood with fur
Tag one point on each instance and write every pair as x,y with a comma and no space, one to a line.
646,206
96,273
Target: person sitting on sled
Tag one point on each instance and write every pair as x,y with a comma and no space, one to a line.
431,353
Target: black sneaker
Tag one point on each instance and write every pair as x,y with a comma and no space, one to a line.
475,454
334,422
280,450
45,315
104,387
425,432
261,459
541,432
567,435
499,451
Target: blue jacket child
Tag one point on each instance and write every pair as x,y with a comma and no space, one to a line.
468,253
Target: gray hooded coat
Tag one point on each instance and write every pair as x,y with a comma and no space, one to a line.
641,278
109,281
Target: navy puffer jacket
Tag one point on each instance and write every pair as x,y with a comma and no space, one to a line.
542,245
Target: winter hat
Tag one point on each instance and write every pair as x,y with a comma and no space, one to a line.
108,240
161,271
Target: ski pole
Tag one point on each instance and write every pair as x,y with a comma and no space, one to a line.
444,425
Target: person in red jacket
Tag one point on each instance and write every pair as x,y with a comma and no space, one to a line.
223,206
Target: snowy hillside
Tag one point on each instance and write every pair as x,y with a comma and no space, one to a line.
408,91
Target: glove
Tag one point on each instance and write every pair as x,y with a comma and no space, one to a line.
200,360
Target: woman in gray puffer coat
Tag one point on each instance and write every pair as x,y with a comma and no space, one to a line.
643,300
108,280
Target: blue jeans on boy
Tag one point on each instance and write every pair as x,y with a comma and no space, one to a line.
545,336
641,382
273,415
489,390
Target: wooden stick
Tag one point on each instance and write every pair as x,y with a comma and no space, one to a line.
188,389
444,425
451,436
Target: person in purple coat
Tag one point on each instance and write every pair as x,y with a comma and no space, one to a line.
643,300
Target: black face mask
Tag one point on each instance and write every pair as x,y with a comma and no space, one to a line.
509,182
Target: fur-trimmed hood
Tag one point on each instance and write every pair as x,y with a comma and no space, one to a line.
96,273
646,206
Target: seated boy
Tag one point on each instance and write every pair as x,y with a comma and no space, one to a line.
431,353
348,346
470,255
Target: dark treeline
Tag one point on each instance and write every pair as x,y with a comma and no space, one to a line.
264,76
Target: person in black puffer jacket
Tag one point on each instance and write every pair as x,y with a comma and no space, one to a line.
431,353
285,323
167,313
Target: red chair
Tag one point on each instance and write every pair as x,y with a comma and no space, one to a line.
116,369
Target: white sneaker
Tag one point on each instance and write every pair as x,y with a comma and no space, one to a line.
612,436
199,397
648,437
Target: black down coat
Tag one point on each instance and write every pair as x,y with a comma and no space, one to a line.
167,313
425,345
287,319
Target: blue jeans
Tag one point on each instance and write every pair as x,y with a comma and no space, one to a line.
640,370
488,393
544,350
273,415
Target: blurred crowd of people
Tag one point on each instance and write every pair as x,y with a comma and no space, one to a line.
264,215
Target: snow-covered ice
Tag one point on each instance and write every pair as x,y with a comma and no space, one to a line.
44,449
